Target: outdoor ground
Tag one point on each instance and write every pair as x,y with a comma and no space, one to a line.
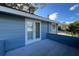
45,47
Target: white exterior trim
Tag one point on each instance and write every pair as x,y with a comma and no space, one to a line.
20,13
40,29
34,35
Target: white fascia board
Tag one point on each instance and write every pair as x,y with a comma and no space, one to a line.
17,12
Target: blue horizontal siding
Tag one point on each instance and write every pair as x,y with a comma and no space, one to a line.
12,30
44,29
14,43
1,47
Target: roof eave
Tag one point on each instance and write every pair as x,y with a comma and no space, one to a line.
20,13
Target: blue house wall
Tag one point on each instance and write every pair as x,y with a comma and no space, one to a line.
12,32
44,29
1,47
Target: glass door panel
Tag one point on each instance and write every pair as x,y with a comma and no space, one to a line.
37,28
30,30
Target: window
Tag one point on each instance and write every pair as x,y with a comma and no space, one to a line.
30,30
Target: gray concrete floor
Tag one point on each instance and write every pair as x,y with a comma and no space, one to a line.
45,48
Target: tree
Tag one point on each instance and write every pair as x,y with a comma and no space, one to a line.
74,27
28,7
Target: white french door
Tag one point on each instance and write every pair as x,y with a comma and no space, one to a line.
37,30
32,32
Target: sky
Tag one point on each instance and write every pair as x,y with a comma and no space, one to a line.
60,12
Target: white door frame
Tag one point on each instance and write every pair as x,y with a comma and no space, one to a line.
34,30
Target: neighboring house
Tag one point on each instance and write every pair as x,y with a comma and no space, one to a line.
18,28
63,26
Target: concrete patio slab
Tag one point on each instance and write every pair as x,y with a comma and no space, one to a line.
45,48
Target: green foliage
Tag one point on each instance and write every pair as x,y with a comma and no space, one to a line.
74,27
